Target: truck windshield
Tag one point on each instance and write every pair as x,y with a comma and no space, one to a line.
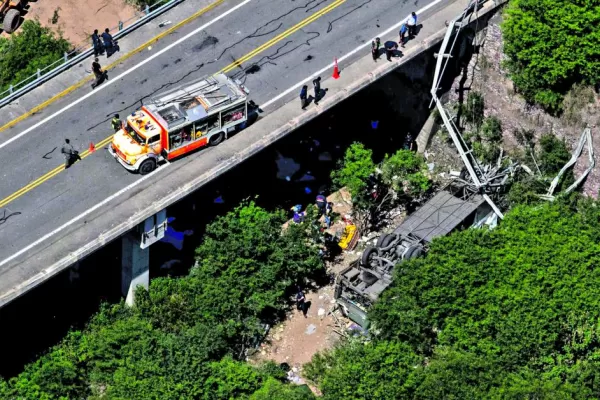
140,140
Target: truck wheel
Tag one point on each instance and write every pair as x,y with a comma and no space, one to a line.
413,252
147,166
384,241
11,20
216,140
367,255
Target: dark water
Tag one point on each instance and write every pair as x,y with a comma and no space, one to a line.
397,104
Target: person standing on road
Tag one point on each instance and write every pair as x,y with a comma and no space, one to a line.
317,87
412,25
390,48
375,44
304,96
98,73
98,47
116,123
403,31
71,155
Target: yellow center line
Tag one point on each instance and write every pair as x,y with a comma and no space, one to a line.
48,175
282,36
236,64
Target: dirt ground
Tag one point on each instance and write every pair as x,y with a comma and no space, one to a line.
486,75
297,339
77,19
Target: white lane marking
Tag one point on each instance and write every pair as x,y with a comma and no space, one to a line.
116,78
132,185
82,215
345,56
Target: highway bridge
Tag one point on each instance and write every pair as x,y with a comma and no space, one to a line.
51,217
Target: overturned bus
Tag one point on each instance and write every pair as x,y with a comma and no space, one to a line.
359,285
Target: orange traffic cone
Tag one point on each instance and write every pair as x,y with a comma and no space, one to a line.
92,148
336,69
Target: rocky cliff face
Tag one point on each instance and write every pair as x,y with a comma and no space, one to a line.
486,75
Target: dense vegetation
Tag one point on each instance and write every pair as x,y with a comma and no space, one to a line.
398,179
185,337
507,313
30,48
551,45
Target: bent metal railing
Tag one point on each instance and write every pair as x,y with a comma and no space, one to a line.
80,53
478,176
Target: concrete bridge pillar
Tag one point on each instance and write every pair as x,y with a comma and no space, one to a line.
135,254
135,264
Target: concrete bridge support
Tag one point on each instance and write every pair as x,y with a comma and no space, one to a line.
135,266
135,254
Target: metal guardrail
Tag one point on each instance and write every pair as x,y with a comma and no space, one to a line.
77,55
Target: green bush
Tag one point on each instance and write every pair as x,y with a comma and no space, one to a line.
474,108
186,336
491,130
354,170
523,293
32,47
363,371
551,45
510,313
553,154
403,173
375,189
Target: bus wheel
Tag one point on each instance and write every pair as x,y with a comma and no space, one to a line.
215,140
147,166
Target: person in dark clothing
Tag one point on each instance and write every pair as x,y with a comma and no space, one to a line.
98,47
98,73
109,43
71,155
390,48
317,87
375,45
301,302
409,142
322,204
304,96
116,123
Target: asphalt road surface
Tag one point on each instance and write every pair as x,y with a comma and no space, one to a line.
270,45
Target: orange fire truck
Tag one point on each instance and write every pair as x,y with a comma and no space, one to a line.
179,121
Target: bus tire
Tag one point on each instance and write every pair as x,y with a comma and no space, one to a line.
216,139
368,253
384,240
147,166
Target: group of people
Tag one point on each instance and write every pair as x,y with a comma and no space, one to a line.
304,99
323,206
409,27
107,44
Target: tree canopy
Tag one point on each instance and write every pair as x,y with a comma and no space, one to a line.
399,178
186,337
551,45
30,48
507,313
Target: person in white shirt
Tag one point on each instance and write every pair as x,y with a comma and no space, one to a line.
412,25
